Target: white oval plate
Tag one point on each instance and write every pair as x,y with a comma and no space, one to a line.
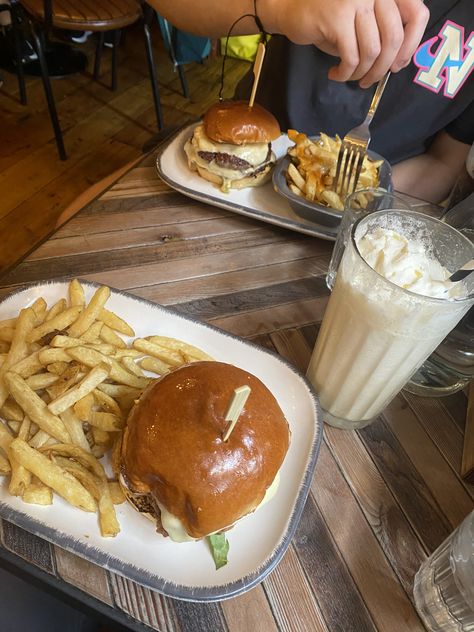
186,571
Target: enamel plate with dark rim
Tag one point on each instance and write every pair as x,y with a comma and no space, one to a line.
186,571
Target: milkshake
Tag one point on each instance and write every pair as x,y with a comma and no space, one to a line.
391,306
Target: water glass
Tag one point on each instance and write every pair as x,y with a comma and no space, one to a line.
451,367
358,205
444,584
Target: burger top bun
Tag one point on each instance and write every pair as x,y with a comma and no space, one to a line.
235,122
173,447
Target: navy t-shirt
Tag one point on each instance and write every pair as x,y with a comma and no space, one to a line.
435,92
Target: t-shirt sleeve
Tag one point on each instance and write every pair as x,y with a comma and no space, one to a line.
462,128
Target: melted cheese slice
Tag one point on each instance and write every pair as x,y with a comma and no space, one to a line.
253,153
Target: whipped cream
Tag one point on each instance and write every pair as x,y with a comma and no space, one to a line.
405,263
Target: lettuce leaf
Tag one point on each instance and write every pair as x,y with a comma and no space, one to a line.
219,548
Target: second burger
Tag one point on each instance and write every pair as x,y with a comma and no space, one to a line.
232,146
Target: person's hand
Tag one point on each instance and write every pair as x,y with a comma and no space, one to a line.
369,36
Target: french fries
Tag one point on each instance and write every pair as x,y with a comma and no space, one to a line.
60,321
52,475
75,428
35,407
90,313
76,293
68,380
38,494
18,349
313,169
95,377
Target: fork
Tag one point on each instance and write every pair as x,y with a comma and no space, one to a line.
354,148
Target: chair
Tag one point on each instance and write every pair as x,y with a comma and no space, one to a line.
83,15
168,40
183,48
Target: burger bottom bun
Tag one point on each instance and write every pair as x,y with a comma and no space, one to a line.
249,181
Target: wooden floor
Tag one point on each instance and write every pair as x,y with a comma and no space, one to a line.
103,132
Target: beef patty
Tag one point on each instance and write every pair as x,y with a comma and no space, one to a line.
228,161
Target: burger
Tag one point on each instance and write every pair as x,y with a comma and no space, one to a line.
176,467
232,146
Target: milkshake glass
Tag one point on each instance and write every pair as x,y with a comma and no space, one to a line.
375,334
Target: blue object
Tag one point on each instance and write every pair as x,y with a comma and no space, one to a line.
183,47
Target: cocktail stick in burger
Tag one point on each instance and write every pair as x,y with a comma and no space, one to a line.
236,406
232,146
177,468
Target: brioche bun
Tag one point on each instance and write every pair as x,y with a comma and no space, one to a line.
174,457
237,123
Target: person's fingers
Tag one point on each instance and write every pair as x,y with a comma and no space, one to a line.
415,17
348,51
368,38
391,36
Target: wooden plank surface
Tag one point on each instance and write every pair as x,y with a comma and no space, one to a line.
381,499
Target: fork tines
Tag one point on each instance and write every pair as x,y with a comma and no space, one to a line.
349,166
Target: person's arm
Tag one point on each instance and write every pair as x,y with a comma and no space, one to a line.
369,36
431,176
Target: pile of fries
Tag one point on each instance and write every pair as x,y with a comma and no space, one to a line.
67,382
313,169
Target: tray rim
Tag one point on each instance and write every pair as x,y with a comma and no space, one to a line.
141,576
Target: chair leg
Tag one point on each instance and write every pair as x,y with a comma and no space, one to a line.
115,45
172,36
38,44
42,37
18,61
98,54
184,83
152,71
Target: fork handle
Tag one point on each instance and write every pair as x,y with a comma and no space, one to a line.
376,98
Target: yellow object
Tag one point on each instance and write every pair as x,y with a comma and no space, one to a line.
241,46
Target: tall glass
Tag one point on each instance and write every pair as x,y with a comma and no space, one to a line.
444,584
357,205
375,334
450,367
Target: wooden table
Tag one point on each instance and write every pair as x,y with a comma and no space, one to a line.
382,498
